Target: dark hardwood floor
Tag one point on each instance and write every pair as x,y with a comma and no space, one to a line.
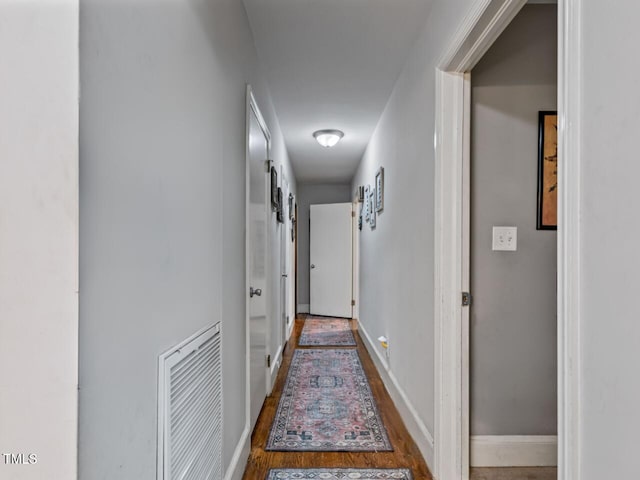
405,454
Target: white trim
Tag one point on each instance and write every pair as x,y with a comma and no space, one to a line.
276,361
483,25
303,308
290,330
236,467
569,245
416,427
514,451
448,462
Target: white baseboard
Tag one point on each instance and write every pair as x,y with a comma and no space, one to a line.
290,329
303,308
276,361
418,430
236,467
514,451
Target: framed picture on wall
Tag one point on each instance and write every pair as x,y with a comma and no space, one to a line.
547,217
291,206
380,190
367,211
274,189
372,215
280,210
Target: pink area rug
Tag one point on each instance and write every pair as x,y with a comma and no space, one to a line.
327,405
340,474
333,332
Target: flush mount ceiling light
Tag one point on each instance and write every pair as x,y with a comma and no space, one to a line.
328,138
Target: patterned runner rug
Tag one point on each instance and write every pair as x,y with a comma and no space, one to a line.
333,332
327,405
339,473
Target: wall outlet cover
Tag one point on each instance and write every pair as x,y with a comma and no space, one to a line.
505,239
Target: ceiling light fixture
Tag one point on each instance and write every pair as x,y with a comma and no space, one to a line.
328,138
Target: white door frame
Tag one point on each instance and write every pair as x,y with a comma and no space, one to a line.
284,260
480,29
355,256
252,107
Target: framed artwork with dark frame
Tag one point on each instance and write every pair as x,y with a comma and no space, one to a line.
279,211
274,189
291,212
380,189
547,217
372,201
367,212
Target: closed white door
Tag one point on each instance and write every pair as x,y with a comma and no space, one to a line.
258,153
330,253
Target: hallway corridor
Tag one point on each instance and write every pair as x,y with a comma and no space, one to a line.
405,453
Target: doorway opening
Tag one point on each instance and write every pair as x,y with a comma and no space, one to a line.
452,246
512,259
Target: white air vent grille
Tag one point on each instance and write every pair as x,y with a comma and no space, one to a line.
190,409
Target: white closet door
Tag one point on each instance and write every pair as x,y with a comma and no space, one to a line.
330,269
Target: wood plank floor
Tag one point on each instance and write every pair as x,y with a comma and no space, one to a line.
405,454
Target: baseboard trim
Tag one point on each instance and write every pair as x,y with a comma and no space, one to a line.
275,366
418,430
236,467
514,451
290,329
303,308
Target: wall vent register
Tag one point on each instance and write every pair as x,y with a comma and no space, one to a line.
190,408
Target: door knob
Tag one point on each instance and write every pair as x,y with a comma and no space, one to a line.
284,275
313,266
257,292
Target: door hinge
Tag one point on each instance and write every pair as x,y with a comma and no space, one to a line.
353,303
268,360
467,299
267,165
353,214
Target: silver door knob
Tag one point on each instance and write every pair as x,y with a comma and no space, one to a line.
257,292
313,266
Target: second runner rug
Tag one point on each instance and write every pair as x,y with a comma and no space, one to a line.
327,405
322,332
340,474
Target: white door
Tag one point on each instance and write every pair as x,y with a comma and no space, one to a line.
257,155
330,253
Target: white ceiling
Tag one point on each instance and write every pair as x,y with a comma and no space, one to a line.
332,64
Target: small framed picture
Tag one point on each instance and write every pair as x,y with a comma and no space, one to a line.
380,190
547,218
291,212
274,189
372,215
279,211
367,210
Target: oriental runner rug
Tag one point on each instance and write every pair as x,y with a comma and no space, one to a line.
340,474
327,406
323,332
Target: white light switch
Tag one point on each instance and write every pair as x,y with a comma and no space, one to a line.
505,238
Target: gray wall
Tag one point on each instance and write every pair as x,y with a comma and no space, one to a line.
513,317
162,212
312,194
396,259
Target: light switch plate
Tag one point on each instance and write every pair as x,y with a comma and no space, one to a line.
505,239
